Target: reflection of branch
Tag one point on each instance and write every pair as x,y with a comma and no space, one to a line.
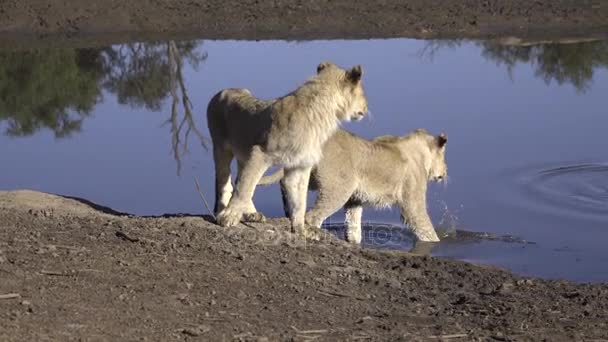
431,48
177,82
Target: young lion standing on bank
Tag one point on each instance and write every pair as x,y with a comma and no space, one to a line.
289,131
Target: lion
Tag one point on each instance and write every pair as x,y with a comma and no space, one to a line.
381,172
289,131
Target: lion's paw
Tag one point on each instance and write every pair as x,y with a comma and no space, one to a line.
426,236
254,217
353,238
229,218
309,233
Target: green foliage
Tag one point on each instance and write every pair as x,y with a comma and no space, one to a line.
572,63
565,62
48,88
58,88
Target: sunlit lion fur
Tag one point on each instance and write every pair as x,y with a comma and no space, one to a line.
289,131
385,171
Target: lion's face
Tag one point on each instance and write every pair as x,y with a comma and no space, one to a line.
352,90
439,168
358,103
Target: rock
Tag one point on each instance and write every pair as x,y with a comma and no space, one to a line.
196,331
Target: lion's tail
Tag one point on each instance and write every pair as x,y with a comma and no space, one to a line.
272,178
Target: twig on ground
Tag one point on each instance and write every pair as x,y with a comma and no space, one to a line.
9,296
337,294
308,337
304,332
70,248
447,337
197,262
200,193
125,237
55,273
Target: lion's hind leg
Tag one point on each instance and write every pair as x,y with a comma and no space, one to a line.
249,176
222,158
352,222
251,214
332,196
295,184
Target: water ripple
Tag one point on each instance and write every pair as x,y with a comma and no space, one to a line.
578,189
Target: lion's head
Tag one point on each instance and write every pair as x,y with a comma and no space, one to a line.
438,166
354,99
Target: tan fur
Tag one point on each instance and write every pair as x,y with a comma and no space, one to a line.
382,172
289,131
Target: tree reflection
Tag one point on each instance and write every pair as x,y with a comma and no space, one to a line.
565,62
48,88
178,91
57,89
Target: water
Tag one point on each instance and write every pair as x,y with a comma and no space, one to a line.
527,133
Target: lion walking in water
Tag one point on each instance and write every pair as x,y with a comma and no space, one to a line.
388,170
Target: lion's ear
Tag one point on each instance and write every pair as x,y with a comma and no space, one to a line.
442,139
354,75
322,66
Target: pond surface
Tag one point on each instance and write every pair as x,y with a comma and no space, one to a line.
527,150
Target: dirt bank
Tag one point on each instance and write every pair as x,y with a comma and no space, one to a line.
52,21
75,272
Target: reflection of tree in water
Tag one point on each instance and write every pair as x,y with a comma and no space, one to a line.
58,88
139,73
572,63
180,146
42,88
145,74
52,88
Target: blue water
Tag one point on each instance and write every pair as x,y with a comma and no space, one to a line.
527,132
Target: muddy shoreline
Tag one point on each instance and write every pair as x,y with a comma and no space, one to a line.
68,23
70,271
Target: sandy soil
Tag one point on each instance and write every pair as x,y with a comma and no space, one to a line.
28,22
71,272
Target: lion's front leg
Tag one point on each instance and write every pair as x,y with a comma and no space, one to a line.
295,183
414,214
242,198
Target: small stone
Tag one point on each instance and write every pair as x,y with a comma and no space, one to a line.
26,303
505,287
523,282
197,331
364,319
499,336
